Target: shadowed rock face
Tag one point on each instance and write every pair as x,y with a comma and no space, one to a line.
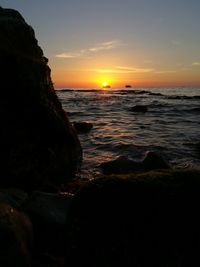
37,141
15,237
144,220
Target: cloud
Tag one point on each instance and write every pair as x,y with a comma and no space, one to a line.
68,55
196,64
134,70
125,69
122,69
105,46
99,47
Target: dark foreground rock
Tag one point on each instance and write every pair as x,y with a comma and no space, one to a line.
38,143
48,208
147,220
48,214
15,237
13,197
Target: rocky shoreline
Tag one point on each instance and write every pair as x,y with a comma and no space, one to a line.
137,214
144,219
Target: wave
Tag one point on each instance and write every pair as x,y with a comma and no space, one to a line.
183,97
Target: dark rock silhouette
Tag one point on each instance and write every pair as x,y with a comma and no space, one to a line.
139,108
38,143
13,197
120,165
82,127
124,165
147,220
48,208
15,237
154,161
48,214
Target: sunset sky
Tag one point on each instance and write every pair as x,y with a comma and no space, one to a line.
137,42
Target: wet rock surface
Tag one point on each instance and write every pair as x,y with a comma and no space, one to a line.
120,165
124,165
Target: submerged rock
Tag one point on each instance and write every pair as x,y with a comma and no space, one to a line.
139,108
82,127
121,165
38,143
154,161
124,165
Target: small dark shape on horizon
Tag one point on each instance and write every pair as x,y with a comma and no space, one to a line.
128,86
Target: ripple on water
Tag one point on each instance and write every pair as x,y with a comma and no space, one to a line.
171,122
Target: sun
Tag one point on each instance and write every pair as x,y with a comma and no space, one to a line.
104,84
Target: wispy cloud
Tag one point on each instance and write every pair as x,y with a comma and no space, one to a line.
99,47
122,69
196,63
104,46
68,55
134,69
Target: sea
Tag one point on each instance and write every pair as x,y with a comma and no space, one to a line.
170,126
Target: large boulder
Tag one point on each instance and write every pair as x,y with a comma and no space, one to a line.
38,143
148,219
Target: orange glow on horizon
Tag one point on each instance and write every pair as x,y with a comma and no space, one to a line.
85,79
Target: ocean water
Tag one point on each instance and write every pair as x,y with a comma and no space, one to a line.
171,126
